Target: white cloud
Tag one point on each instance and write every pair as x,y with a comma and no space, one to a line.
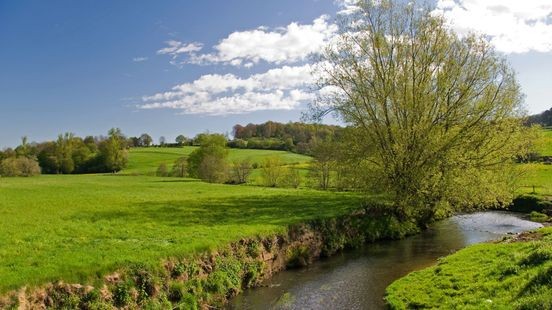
176,48
290,44
347,6
139,59
214,94
512,26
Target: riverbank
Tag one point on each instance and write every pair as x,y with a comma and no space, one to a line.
515,272
210,279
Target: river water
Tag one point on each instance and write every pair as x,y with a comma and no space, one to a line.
357,279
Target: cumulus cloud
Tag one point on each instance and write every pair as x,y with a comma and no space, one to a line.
290,44
282,88
512,26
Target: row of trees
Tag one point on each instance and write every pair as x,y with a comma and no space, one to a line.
544,119
68,154
296,137
209,162
145,140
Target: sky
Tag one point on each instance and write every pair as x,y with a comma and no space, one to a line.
185,67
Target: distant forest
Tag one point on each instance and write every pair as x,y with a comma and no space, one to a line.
544,119
295,137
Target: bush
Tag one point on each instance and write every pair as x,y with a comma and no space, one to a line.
272,171
180,167
19,167
528,203
213,169
538,217
290,178
162,171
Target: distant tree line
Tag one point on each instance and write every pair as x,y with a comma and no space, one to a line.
145,140
544,119
295,137
66,155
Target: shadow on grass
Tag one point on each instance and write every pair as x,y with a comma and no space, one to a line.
176,181
250,210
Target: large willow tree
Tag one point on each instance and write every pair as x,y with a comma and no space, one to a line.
436,117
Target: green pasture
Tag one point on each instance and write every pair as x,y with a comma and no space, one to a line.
80,227
146,160
508,275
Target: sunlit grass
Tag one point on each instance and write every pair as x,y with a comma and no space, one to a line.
146,160
80,227
514,275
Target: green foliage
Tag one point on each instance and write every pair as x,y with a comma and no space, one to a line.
180,167
291,177
208,161
71,154
241,170
507,275
121,294
271,171
435,117
253,271
19,167
162,171
538,217
297,137
226,277
298,256
527,203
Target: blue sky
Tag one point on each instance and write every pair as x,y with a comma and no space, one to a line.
184,67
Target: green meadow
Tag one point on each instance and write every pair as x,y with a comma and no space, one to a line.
507,275
145,160
80,227
544,144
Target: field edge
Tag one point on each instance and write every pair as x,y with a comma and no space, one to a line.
211,279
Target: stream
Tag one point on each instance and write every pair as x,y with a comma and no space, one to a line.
357,279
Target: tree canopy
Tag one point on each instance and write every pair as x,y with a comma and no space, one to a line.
436,117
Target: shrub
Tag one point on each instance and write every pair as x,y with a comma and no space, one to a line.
180,167
241,171
121,295
19,167
538,217
272,171
162,171
290,178
527,203
213,169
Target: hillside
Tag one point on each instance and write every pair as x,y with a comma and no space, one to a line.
146,160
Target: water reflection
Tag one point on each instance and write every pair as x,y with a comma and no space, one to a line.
357,279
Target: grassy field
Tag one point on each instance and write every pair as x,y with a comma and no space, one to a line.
544,145
538,178
78,227
508,275
146,160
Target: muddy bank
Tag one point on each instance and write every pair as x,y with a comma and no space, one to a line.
211,279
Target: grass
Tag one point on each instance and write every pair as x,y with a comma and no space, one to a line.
146,160
544,145
79,227
507,275
537,178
